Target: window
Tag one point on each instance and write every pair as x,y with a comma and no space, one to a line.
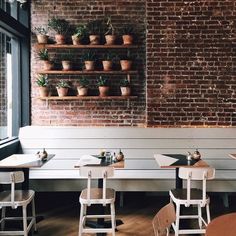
14,49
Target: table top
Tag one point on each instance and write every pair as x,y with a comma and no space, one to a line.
177,160
233,156
24,161
222,225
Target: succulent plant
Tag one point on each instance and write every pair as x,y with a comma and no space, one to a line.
62,84
61,26
102,81
42,80
43,54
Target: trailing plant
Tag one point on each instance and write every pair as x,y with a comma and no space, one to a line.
42,80
43,54
80,31
61,26
109,26
128,29
89,56
94,27
62,84
83,82
124,83
102,81
41,30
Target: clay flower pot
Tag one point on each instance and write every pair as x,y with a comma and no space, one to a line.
94,39
66,65
76,40
110,39
127,39
107,65
103,91
47,65
82,91
43,91
125,64
42,38
60,39
89,65
62,92
125,91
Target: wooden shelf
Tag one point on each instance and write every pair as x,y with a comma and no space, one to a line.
84,72
70,46
87,98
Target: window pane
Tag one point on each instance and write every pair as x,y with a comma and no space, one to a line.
6,6
5,87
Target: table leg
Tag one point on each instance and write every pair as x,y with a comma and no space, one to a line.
25,184
178,180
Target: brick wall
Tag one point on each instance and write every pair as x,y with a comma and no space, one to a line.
189,64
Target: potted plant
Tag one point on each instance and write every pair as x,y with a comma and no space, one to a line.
94,29
44,57
127,34
79,33
61,27
89,60
126,63
125,87
42,82
107,62
103,86
41,34
110,33
62,88
82,88
66,61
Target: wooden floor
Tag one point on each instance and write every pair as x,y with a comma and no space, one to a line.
61,212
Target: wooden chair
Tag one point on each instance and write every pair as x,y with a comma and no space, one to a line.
104,196
163,219
192,196
14,199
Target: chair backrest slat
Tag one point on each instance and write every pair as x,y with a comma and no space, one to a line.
13,176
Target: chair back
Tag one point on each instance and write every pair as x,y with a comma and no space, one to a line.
163,219
12,178
203,174
96,172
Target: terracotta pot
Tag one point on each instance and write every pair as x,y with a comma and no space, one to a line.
94,39
66,65
60,39
76,40
47,65
62,92
125,64
43,91
103,91
125,91
82,91
107,65
42,38
89,65
110,39
127,39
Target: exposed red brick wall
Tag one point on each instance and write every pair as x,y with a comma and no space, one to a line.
100,112
189,63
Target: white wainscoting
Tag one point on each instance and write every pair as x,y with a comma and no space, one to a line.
141,173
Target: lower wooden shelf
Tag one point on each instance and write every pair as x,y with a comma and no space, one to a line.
88,98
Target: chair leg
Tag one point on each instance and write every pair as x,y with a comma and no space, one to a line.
3,216
177,220
24,220
199,216
34,215
113,221
81,219
208,213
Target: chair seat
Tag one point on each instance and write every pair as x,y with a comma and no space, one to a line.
96,195
181,194
22,197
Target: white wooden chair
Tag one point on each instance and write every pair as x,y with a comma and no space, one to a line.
91,196
163,219
14,199
192,196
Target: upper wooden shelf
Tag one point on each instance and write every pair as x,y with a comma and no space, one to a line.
86,72
70,46
87,98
